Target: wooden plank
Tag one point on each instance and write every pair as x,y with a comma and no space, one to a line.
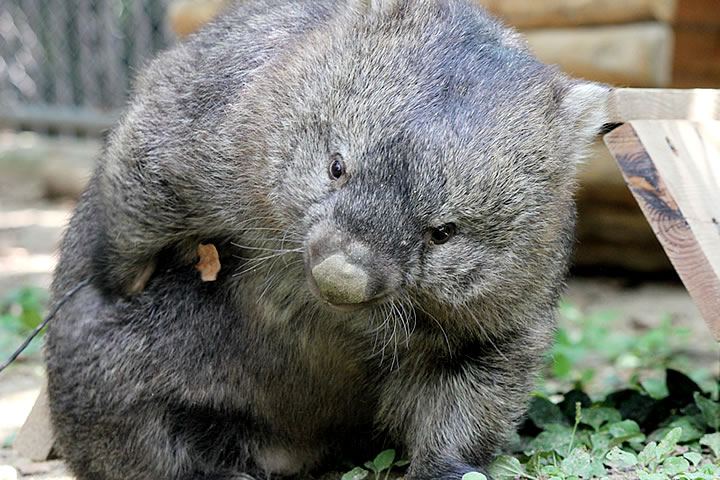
687,157
636,55
697,12
673,170
627,104
566,13
35,439
39,117
697,51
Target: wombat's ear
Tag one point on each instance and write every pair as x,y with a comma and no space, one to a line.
380,6
584,107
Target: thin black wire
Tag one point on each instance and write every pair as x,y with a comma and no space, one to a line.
34,333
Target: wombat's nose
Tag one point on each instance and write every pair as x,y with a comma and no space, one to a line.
339,281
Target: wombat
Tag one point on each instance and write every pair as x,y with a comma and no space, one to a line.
389,187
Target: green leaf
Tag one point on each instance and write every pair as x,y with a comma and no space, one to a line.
674,465
371,466
555,438
693,476
543,412
655,387
384,460
691,428
651,476
710,410
31,319
551,470
634,439
668,444
561,365
357,473
8,441
647,454
712,440
474,476
597,416
400,463
539,460
579,463
624,428
694,457
711,469
600,443
621,456
569,311
506,466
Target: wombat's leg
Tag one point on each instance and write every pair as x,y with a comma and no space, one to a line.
144,442
454,414
129,235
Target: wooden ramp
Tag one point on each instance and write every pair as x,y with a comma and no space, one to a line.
669,153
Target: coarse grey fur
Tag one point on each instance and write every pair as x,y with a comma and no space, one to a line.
441,116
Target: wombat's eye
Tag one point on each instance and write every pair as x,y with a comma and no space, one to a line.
442,234
336,169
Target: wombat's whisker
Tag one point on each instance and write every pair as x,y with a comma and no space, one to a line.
484,332
269,279
267,249
394,321
401,314
253,266
293,235
386,329
406,315
447,340
277,253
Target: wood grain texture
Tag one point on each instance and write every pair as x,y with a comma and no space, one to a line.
687,157
689,252
627,104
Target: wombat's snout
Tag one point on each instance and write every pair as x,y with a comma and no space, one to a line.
344,274
340,281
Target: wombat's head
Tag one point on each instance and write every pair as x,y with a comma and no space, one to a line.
423,155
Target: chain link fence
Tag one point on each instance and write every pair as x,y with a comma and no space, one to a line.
66,65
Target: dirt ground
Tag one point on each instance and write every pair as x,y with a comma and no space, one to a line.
31,226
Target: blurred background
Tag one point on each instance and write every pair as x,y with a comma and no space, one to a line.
66,67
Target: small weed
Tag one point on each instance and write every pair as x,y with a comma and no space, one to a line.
21,310
588,340
671,437
384,462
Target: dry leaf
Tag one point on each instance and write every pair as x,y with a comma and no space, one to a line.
209,264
